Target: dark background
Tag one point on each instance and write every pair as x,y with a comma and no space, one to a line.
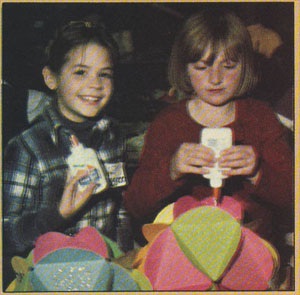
26,28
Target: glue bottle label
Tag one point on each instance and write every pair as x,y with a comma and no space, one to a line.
82,158
217,139
116,174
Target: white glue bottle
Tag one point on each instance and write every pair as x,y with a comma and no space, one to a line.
82,158
217,139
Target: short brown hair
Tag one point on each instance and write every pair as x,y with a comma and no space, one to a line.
76,33
218,28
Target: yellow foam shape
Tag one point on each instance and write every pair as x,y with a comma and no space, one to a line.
274,254
141,280
165,215
209,237
12,286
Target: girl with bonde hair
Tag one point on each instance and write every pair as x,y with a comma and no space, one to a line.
211,65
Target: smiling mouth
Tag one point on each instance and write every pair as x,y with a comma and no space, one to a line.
91,99
216,90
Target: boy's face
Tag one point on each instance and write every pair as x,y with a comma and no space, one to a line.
85,82
215,82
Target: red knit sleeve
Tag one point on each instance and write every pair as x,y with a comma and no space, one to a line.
151,182
276,182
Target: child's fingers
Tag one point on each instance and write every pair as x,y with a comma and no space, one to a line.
72,183
202,149
241,160
196,150
191,158
199,162
187,169
192,154
73,200
240,167
201,156
238,171
230,152
237,162
236,153
72,178
194,165
83,196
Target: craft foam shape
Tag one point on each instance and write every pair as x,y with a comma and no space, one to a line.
253,266
139,260
151,230
122,280
21,266
275,255
141,280
167,268
126,260
113,248
209,237
88,238
165,216
12,286
229,204
71,270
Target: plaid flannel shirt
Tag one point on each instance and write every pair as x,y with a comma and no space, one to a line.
34,175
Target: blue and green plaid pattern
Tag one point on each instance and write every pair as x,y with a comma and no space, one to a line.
34,175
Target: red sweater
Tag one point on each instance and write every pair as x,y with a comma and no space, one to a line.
255,124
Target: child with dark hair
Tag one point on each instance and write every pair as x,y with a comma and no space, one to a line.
42,192
212,67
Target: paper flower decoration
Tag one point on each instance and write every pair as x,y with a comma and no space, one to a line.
202,247
71,269
87,239
84,262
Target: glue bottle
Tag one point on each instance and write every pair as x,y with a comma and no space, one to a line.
82,158
217,139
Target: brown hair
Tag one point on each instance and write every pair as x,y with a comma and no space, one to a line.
76,33
217,28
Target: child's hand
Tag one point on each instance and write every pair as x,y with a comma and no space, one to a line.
191,158
73,200
242,160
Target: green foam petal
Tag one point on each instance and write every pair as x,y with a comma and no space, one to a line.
114,250
209,237
141,280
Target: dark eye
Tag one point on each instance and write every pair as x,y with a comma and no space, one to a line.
200,68
79,72
106,75
230,65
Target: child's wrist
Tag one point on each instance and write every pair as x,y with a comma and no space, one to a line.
254,179
173,175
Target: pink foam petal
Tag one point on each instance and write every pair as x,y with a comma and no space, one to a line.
184,204
87,239
167,268
253,267
229,204
232,206
47,243
90,239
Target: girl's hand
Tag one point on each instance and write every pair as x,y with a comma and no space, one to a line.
241,159
191,158
73,200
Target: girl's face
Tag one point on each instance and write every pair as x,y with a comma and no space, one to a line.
214,82
85,83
